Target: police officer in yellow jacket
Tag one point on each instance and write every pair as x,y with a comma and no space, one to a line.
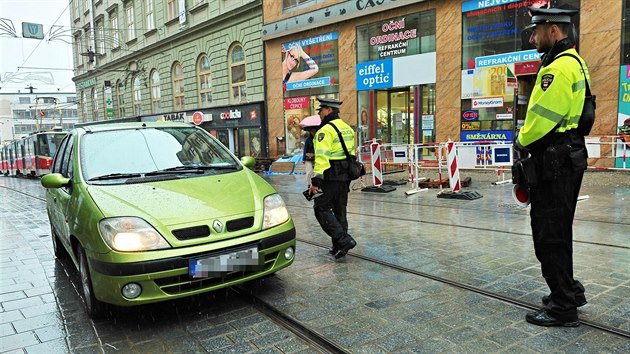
330,176
557,150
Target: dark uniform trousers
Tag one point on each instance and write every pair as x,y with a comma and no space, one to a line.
559,171
330,207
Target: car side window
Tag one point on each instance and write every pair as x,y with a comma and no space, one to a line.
59,156
66,162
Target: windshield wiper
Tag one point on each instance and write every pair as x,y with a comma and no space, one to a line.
115,176
190,169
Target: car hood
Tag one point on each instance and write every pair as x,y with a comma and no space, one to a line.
185,200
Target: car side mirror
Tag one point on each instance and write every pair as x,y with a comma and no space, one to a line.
54,180
248,161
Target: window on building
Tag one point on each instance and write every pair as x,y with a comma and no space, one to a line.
113,22
86,5
149,11
71,99
78,42
100,33
205,81
131,28
289,4
137,96
77,9
120,98
155,91
25,100
49,100
95,105
238,79
171,9
178,86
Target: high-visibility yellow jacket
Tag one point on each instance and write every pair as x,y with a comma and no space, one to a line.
328,146
557,99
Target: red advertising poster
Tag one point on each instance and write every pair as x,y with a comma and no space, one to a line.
526,67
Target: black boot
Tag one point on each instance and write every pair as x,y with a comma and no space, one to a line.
347,243
335,248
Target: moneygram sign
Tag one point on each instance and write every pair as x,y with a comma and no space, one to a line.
489,102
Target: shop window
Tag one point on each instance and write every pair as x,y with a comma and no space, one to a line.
95,106
397,37
205,81
120,98
178,86
238,77
625,34
155,91
137,96
84,106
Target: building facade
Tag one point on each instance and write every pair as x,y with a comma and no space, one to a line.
24,113
197,61
420,71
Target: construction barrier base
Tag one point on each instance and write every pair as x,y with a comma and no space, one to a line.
395,183
460,195
379,189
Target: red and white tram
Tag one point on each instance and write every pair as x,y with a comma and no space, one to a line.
30,156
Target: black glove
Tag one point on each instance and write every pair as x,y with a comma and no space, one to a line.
316,181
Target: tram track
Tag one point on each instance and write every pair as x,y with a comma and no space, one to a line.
469,227
467,287
324,345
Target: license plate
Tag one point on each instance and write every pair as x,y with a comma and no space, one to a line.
241,260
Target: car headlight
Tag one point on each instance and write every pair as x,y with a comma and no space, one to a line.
131,234
275,212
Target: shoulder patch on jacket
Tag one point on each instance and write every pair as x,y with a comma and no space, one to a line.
320,136
546,81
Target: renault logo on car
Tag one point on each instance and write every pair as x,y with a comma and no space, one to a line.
217,226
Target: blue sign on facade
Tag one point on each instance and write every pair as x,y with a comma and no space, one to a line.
482,4
310,83
507,58
375,75
479,135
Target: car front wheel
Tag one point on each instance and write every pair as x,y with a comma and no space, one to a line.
92,305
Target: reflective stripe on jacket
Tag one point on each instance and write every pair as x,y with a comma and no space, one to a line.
328,147
557,99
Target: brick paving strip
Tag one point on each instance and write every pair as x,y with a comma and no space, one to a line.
30,316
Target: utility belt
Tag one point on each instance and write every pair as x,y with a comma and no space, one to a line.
338,171
551,164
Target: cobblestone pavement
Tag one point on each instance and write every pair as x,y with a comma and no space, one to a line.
362,306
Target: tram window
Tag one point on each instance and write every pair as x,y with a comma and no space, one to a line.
57,161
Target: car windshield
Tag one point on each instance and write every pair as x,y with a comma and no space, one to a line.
132,153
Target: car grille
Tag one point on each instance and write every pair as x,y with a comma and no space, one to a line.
240,224
200,231
192,232
183,283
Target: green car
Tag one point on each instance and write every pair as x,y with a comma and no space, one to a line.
156,211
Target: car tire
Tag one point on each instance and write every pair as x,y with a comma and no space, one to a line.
58,249
93,307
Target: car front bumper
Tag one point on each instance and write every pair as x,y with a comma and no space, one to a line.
168,278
